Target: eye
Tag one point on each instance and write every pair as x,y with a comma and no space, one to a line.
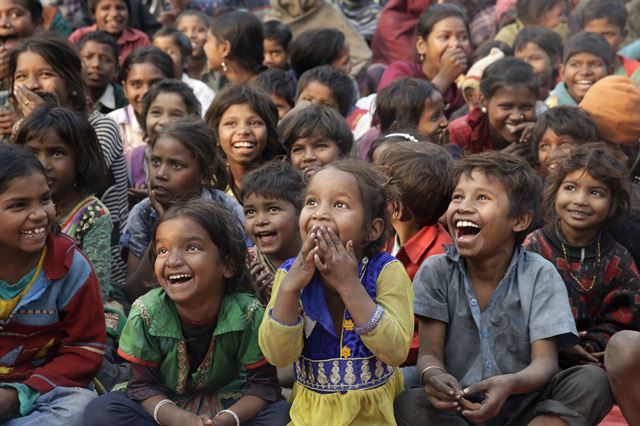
249,212
456,197
598,193
341,205
178,114
176,165
192,247
297,150
58,153
569,187
161,250
229,123
274,209
312,202
155,161
543,147
46,199
482,197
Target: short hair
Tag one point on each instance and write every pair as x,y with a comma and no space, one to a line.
170,86
341,85
436,13
315,47
93,5
614,11
102,38
508,72
315,121
77,133
244,33
485,48
274,179
181,40
206,20
546,39
600,161
279,83
420,177
592,43
148,55
279,32
400,104
17,162
406,135
519,180
35,9
530,11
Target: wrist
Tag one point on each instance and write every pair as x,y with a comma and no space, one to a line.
230,417
441,83
431,371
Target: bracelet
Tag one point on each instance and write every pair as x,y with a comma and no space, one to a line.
376,316
158,406
234,415
431,367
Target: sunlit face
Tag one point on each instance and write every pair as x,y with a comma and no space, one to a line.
138,81
433,123
16,23
309,154
166,108
614,35
552,148
317,93
508,107
196,31
448,33
540,62
275,56
242,135
36,74
99,64
112,16
581,71
169,46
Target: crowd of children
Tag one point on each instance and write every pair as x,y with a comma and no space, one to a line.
218,220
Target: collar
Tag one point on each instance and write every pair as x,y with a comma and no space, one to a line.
60,250
129,35
108,98
451,252
421,242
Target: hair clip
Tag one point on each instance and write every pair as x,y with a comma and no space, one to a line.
407,136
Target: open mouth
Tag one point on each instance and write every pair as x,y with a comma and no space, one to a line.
37,233
244,146
466,230
177,279
583,85
8,41
579,214
266,236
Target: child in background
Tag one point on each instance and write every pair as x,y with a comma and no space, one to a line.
542,49
53,331
99,54
493,316
193,343
195,25
550,14
385,142
586,59
326,86
281,86
320,46
277,36
341,310
585,195
272,200
112,17
313,137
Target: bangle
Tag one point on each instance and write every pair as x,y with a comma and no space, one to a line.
158,406
431,367
376,316
234,415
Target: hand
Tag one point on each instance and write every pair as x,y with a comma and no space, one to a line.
26,100
443,390
303,267
224,419
261,280
9,402
453,62
157,206
577,355
336,262
8,118
525,131
518,149
195,420
496,390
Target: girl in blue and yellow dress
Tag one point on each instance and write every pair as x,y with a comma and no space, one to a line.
341,312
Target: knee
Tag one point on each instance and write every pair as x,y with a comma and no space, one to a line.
97,412
621,355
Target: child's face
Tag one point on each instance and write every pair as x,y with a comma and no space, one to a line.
555,16
215,52
189,266
166,108
309,154
169,46
272,224
582,203
433,123
196,31
99,65
282,105
509,107
36,74
17,22
138,82
317,93
581,72
539,61
275,56
478,217
551,148
343,61
174,173
449,33
26,215
242,135
58,161
614,35
112,16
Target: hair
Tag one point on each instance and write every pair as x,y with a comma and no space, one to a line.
420,175
93,5
530,11
599,161
546,39
436,13
148,55
224,230
592,43
279,83
244,33
170,86
206,20
181,40
519,180
340,84
508,72
277,180
259,102
400,104
35,9
312,48
16,162
278,32
196,137
102,38
614,11
485,48
64,60
393,138
564,121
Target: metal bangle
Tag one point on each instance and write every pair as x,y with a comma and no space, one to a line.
376,316
158,406
431,367
234,415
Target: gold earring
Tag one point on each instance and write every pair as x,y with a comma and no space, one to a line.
422,57
483,109
224,66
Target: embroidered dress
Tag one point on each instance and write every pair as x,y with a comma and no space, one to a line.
346,378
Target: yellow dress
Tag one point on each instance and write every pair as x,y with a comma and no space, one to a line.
389,341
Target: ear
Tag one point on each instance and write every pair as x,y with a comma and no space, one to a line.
421,45
225,48
376,229
522,222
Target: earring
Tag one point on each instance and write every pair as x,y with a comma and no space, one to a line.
422,57
483,109
224,66
74,93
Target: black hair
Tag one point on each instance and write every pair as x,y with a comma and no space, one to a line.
400,104
170,86
508,72
181,40
530,11
93,5
614,11
340,84
393,137
278,32
17,162
436,13
35,9
244,33
546,39
279,83
485,48
275,179
592,43
102,38
315,47
206,20
148,55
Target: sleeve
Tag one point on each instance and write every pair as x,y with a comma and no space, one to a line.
431,284
250,355
136,234
262,382
280,344
460,132
394,71
390,340
96,245
136,345
26,395
145,382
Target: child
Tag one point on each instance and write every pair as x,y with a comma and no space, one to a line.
195,25
341,310
314,137
609,19
550,14
53,331
327,86
509,90
493,316
281,86
99,54
585,196
182,165
542,49
112,17
382,143
277,36
586,59
193,343
272,200
320,46
244,122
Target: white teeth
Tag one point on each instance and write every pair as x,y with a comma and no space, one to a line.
466,224
179,276
244,145
34,231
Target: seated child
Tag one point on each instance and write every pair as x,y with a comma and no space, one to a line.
542,49
53,333
493,316
99,54
193,342
313,137
341,310
272,200
281,86
551,14
587,58
326,86
277,36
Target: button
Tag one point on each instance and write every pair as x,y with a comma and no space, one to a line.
484,334
474,302
488,365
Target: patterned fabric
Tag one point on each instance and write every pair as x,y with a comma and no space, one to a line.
484,25
471,132
11,294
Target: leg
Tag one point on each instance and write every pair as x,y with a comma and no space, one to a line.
115,409
413,408
62,406
622,362
410,374
274,414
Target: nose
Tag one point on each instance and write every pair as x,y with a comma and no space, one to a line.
443,121
5,21
309,154
162,172
38,213
174,258
44,160
31,83
262,219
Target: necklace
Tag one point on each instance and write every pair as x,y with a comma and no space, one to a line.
593,280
